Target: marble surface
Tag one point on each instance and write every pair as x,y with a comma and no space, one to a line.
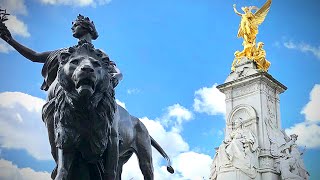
255,146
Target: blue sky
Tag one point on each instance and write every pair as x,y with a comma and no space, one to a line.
171,53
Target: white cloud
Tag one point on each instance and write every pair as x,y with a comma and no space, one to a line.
4,47
187,164
165,139
303,47
180,113
158,132
21,124
131,169
193,165
17,27
175,116
11,99
209,100
122,104
9,171
133,91
308,134
14,24
14,6
312,109
21,127
289,45
80,3
309,131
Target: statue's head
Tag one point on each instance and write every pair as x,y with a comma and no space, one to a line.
294,137
245,9
238,123
82,26
260,44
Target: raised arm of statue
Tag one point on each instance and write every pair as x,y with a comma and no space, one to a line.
23,50
236,11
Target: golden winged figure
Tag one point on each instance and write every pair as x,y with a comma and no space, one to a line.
248,28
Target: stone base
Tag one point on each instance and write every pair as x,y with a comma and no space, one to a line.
269,176
232,174
245,67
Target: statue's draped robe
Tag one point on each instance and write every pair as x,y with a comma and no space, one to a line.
298,163
236,152
247,29
49,72
233,152
50,68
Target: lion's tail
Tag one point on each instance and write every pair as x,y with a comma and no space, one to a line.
164,154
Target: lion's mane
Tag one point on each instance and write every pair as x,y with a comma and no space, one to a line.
77,125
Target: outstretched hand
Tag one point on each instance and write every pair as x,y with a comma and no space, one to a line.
4,32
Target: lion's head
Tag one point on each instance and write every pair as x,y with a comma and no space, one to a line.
83,72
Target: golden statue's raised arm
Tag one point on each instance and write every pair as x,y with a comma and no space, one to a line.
236,11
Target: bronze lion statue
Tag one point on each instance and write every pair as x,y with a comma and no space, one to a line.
81,114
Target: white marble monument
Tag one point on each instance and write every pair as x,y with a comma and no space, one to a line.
255,147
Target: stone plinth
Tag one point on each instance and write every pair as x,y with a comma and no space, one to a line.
253,106
254,98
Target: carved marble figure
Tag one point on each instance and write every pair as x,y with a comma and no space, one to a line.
289,160
238,150
291,164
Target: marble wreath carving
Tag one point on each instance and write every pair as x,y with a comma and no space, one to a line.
239,150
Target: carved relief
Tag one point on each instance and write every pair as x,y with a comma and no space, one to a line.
228,94
240,91
268,89
248,116
238,150
286,153
266,162
291,164
271,109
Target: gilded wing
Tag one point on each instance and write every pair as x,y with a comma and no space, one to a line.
261,14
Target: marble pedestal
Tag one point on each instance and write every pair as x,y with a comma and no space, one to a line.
252,97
